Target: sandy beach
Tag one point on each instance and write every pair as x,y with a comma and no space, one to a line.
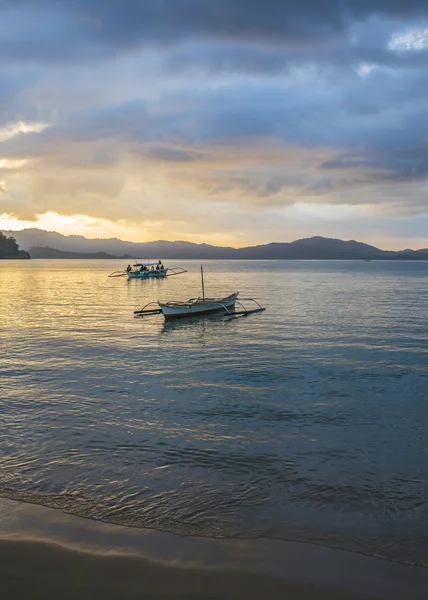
47,554
34,569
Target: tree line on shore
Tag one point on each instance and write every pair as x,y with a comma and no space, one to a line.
9,248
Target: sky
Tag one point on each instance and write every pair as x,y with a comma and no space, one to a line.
232,122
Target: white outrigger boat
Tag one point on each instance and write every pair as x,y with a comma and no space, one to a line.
148,270
200,306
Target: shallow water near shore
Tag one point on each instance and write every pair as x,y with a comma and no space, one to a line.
307,422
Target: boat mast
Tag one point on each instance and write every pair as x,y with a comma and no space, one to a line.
203,287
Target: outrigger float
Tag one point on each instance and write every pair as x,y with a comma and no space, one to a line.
148,270
200,306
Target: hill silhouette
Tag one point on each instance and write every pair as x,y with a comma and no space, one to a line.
46,252
47,244
9,248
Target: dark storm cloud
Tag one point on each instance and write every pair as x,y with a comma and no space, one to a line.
371,124
362,42
52,30
399,165
384,113
315,75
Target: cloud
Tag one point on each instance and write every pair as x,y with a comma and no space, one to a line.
82,30
20,127
184,111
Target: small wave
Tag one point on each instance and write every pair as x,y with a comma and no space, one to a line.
399,551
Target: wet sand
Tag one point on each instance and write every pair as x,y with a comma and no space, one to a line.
47,554
33,569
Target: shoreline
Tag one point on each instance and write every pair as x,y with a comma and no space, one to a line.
45,553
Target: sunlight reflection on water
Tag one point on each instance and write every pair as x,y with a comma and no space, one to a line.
304,422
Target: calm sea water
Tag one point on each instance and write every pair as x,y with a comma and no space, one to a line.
306,422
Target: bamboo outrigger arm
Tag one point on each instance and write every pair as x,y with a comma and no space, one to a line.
245,311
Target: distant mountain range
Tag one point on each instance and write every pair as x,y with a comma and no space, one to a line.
49,244
46,252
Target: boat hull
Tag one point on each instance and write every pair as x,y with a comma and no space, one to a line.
147,274
171,312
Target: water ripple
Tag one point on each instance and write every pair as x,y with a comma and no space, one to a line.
307,422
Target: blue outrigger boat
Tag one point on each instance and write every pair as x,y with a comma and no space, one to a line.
148,270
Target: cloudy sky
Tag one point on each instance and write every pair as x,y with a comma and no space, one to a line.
226,121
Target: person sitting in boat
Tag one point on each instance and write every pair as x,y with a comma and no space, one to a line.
152,269
128,268
162,268
157,267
